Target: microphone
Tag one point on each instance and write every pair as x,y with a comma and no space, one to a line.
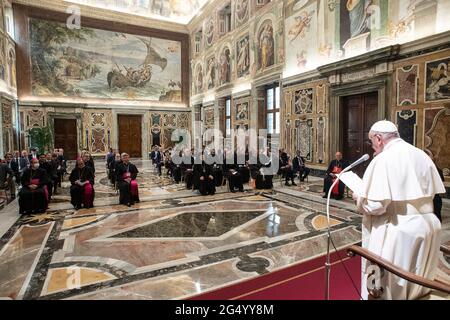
364,158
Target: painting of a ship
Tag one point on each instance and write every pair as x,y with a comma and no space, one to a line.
95,63
137,77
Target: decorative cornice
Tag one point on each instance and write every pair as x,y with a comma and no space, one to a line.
430,44
301,78
362,61
108,15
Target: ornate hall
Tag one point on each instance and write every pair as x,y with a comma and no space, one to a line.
197,150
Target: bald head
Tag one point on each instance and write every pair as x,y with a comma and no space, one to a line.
125,157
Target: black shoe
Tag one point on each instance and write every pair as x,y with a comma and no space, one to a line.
339,197
325,196
287,184
302,179
128,204
241,190
233,191
294,184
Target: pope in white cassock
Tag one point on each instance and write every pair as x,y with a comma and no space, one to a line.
397,206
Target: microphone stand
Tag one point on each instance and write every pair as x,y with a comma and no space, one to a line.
327,263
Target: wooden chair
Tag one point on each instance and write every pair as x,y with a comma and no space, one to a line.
388,266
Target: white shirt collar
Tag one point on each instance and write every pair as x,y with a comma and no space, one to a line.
391,143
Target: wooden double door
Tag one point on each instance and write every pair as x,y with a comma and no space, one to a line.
360,112
66,137
130,135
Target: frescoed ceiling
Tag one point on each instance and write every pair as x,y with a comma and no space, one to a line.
178,11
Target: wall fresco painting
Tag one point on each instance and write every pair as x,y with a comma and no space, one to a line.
94,63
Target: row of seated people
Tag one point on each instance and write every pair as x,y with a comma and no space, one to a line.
205,177
39,181
16,163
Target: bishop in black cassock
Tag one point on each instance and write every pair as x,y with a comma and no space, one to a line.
82,189
126,174
33,197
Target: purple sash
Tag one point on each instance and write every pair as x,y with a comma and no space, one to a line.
133,185
88,195
36,182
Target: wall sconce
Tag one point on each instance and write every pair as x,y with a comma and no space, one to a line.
332,4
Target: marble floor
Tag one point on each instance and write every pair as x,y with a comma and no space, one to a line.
172,245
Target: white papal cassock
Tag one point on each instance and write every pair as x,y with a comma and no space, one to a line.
398,220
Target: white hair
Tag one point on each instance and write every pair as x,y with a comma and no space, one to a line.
386,135
124,154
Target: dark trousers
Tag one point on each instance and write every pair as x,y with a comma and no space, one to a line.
245,173
263,181
32,201
176,174
50,190
55,184
303,173
189,178
218,177
125,196
236,182
158,166
437,203
60,178
207,186
288,173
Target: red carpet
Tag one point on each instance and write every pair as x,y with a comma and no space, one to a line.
303,281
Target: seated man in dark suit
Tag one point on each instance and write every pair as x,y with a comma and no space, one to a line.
6,178
24,162
158,159
14,167
15,162
299,165
285,168
203,178
264,176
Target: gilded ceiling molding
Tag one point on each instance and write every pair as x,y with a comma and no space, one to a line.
108,15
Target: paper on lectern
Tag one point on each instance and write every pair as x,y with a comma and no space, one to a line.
351,180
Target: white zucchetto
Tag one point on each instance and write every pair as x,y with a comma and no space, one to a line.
384,126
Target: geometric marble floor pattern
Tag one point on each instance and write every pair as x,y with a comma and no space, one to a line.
173,245
164,249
